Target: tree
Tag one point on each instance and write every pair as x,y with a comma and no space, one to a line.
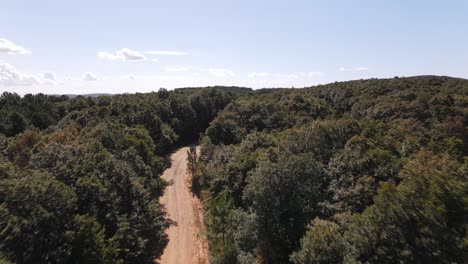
225,132
192,159
323,243
220,228
285,197
90,244
421,220
36,216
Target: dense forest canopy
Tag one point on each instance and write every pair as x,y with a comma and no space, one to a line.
366,171
80,178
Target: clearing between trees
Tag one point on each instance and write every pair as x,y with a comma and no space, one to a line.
187,242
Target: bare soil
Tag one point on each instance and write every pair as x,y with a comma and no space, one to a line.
187,239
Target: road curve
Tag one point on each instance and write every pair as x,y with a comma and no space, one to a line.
187,242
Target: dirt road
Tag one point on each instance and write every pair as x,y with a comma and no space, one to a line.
187,243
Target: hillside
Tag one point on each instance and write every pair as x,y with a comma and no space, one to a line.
366,171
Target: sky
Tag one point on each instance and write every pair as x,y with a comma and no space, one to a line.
79,47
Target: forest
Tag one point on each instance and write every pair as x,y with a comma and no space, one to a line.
80,178
364,171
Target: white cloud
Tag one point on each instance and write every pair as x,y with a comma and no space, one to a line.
361,69
314,74
284,76
49,76
258,74
161,52
104,55
343,69
9,76
11,48
126,54
131,55
220,72
88,76
177,69
123,54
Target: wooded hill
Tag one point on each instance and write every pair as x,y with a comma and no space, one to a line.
80,178
368,171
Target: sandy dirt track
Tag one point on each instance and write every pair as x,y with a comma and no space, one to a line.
187,242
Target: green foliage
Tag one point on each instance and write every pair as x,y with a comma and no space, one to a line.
367,171
80,178
192,159
220,225
30,200
341,153
355,172
90,244
225,132
17,114
322,244
284,196
422,220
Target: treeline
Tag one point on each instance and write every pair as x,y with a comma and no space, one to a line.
80,178
369,171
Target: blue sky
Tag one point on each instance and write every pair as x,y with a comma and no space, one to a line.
140,46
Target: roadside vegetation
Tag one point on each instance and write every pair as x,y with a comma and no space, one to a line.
368,171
